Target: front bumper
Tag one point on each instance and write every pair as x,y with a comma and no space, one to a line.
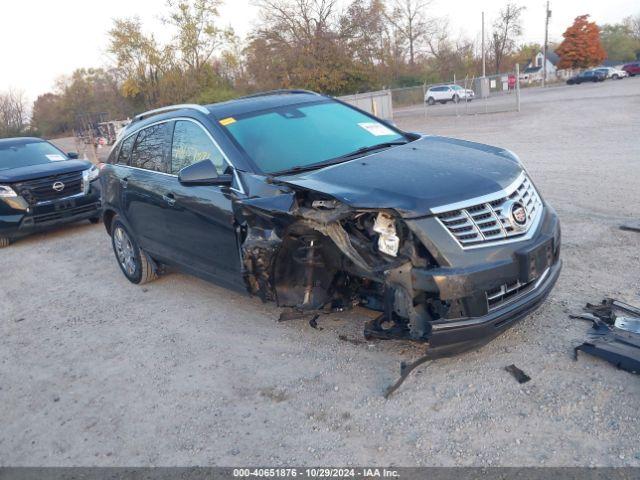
522,272
18,218
453,337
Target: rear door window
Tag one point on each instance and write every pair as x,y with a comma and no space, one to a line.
191,144
149,148
125,150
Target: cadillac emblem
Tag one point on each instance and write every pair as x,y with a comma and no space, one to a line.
519,214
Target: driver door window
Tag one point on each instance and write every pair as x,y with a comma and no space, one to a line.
191,144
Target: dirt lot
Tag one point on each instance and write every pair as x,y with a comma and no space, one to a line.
96,371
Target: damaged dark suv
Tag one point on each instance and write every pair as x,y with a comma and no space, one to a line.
309,202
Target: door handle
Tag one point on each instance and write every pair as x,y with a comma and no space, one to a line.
124,182
170,199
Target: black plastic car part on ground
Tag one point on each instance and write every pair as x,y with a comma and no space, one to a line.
308,202
41,187
615,336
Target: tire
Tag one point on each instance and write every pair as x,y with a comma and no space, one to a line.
431,101
455,98
132,260
94,220
615,76
4,242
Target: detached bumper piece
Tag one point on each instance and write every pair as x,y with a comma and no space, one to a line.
616,334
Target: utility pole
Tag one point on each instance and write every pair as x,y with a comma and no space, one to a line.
547,15
483,59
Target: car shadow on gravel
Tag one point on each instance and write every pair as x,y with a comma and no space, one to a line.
54,233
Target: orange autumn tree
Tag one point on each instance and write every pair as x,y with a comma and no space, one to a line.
581,47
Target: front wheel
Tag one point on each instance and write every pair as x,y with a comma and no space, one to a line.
4,242
133,261
615,76
431,101
455,98
94,220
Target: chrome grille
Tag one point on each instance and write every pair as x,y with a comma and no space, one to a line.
483,221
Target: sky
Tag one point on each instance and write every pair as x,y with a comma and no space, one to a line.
41,40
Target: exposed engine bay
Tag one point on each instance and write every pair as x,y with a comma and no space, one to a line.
310,253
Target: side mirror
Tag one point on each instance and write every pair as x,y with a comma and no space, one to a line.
203,173
73,155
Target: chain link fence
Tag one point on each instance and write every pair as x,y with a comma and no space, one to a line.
468,96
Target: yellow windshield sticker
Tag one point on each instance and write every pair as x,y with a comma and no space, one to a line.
227,121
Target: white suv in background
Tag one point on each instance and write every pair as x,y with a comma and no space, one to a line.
614,73
448,93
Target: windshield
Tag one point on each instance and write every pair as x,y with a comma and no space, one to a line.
456,87
284,138
24,153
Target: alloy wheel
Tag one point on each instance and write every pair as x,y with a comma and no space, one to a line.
124,251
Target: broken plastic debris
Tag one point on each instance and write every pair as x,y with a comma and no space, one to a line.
615,336
519,375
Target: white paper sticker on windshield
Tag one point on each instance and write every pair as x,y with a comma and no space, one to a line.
376,129
55,158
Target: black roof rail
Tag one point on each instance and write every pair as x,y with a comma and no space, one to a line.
170,108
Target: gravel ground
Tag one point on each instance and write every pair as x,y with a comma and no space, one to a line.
96,371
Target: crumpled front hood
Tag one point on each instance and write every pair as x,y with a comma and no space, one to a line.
43,170
416,177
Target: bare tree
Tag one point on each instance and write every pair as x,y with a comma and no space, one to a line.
297,44
632,22
13,113
299,20
413,25
506,30
438,41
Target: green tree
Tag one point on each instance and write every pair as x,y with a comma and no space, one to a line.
197,35
140,59
48,115
84,91
297,44
619,42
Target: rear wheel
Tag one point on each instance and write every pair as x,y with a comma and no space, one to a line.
94,220
615,76
4,242
133,261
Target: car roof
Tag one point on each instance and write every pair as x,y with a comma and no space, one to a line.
263,101
20,141
238,106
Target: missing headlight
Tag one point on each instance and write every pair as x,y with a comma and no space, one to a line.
388,241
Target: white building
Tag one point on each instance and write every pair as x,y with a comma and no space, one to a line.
534,71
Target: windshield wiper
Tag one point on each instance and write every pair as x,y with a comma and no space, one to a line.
340,159
373,148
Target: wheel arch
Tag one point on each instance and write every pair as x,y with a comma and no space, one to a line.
107,218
